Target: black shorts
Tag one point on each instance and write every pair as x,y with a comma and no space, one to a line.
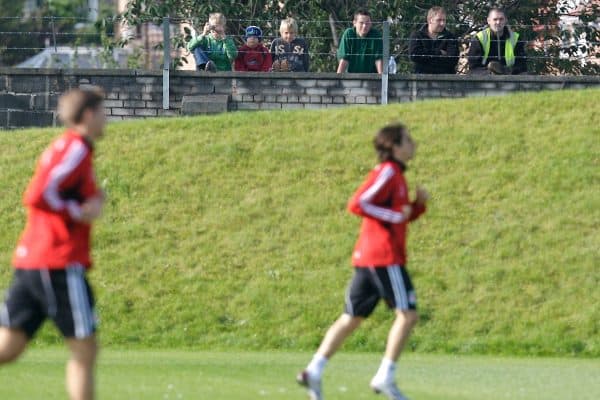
64,296
369,285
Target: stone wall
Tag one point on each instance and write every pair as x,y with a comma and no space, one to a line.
28,97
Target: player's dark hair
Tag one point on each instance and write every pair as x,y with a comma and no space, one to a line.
362,11
75,102
386,138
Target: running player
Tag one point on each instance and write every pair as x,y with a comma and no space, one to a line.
53,254
379,259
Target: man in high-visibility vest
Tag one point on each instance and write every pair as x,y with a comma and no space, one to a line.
497,49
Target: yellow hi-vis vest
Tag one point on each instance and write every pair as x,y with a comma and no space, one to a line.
509,46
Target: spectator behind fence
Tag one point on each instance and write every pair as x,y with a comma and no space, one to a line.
213,50
433,49
361,47
253,55
290,53
497,49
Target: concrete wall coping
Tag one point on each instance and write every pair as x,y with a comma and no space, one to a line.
299,75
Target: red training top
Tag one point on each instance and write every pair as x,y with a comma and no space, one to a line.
54,237
253,59
379,200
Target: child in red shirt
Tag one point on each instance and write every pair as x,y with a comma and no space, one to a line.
253,56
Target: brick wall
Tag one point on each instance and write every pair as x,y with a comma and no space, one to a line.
28,97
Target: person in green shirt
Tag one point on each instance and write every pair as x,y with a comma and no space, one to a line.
361,47
213,50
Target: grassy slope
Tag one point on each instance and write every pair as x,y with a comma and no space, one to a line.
124,375
232,230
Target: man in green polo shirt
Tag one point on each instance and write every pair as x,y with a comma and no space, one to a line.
361,47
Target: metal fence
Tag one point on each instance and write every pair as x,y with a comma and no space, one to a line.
142,46
65,42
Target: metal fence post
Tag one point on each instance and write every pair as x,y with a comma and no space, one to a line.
53,33
167,61
386,60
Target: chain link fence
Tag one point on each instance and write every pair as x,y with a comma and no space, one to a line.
65,42
162,45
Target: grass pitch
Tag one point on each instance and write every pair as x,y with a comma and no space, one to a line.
131,375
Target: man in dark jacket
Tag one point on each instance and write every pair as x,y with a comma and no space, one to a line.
433,49
497,49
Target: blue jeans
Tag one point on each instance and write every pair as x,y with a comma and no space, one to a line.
201,57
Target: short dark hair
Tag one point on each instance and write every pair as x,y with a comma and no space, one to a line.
72,104
362,11
386,138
